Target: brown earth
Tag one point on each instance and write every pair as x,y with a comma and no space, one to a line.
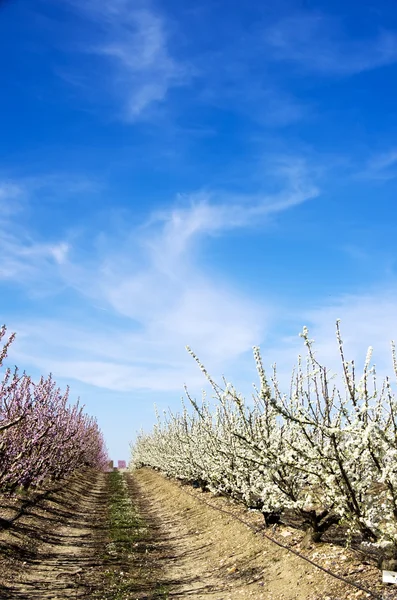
55,548
216,556
51,544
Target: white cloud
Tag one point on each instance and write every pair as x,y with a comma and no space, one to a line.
134,41
218,324
318,44
157,297
367,319
60,252
229,82
140,66
381,167
24,258
209,213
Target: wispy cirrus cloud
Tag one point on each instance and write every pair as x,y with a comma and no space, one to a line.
151,279
136,46
212,212
229,82
366,319
381,167
26,257
134,40
317,43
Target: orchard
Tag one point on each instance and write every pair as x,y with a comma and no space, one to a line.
323,452
43,436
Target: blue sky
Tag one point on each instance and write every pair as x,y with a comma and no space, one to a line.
214,174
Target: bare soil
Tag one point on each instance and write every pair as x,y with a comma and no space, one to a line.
50,545
57,544
215,556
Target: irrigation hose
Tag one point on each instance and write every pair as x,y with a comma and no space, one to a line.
268,537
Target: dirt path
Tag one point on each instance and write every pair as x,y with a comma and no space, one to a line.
141,536
207,554
64,535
